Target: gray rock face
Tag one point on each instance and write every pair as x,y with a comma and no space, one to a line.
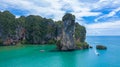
68,30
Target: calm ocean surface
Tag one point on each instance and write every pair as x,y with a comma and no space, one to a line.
30,56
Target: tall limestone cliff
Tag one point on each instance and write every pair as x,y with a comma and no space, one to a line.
66,41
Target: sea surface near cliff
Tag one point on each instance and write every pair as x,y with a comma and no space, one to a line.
31,56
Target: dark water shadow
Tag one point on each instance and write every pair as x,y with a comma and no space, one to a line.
55,50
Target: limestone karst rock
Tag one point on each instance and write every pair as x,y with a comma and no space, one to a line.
34,29
68,29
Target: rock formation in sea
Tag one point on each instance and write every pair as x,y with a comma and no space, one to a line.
66,41
101,47
71,35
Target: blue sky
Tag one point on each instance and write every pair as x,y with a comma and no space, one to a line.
100,17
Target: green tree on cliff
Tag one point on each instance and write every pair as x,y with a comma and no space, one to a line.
7,23
80,32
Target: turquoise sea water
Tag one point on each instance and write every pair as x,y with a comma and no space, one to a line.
30,56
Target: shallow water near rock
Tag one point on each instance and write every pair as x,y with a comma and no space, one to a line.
31,55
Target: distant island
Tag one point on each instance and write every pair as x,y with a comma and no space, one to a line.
33,29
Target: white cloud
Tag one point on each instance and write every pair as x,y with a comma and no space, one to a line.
46,8
17,16
111,14
52,9
106,4
83,14
106,28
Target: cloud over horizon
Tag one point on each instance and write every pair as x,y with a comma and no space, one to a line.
100,17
